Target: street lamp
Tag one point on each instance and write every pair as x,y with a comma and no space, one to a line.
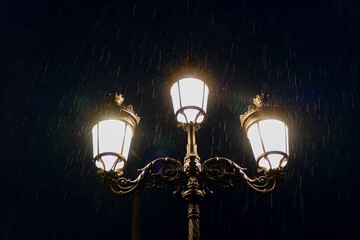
189,92
265,125
113,129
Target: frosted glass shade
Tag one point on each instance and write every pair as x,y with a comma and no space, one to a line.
269,142
189,98
111,141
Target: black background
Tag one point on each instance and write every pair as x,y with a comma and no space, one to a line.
58,59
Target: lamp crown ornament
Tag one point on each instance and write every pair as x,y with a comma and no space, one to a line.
114,99
189,67
114,102
262,100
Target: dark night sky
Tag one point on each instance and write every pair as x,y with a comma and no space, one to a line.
59,59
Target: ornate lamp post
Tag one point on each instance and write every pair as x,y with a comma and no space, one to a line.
265,125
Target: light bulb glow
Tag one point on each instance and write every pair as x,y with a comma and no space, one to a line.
267,136
111,136
192,95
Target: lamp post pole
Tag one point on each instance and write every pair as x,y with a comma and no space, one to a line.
135,217
192,193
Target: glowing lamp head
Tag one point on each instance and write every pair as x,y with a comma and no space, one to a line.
189,90
266,128
113,129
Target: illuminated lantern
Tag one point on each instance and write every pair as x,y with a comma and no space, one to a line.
266,127
113,129
189,92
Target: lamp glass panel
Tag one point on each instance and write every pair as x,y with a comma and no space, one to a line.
255,141
287,144
95,140
127,141
266,136
111,136
175,96
189,92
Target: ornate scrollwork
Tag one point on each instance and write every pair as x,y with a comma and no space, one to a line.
217,170
160,172
156,174
227,174
267,183
223,171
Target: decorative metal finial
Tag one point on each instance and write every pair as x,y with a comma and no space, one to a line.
115,99
261,100
119,99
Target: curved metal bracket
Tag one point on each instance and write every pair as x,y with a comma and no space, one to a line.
119,159
266,183
156,174
227,174
223,171
182,109
218,170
